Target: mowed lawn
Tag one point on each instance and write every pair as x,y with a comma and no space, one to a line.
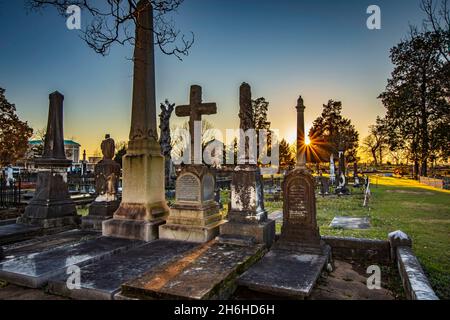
398,204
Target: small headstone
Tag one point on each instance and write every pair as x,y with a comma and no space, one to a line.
324,186
107,175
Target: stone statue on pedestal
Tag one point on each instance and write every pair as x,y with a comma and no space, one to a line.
107,175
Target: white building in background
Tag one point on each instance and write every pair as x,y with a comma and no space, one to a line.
71,148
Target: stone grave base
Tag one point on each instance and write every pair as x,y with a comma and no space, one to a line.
198,234
51,223
235,232
102,280
35,269
286,273
205,273
93,222
132,229
11,233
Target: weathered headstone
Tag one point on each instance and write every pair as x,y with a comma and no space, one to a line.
324,186
51,206
195,215
107,175
247,217
342,189
143,208
296,260
357,182
332,170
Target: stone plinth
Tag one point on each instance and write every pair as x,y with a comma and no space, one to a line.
143,208
51,206
195,216
247,217
107,173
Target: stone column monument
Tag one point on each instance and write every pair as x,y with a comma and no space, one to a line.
195,215
143,208
341,188
300,231
247,217
107,175
52,206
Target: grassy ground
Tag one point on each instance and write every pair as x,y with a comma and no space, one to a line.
399,204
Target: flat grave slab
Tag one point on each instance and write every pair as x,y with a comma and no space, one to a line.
11,233
207,272
34,270
350,223
285,273
103,279
44,243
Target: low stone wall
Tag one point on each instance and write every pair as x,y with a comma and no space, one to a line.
436,183
359,249
415,282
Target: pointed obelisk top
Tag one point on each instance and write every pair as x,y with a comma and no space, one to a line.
143,114
301,149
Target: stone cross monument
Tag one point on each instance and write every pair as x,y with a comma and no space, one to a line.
300,231
194,110
143,208
247,217
107,175
195,215
52,206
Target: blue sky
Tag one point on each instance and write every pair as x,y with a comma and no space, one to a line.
319,49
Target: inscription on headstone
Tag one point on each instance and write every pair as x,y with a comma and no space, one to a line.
296,200
188,188
208,188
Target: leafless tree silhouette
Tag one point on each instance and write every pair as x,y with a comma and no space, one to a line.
438,19
114,21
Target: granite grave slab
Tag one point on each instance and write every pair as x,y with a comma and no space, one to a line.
45,243
208,272
350,223
35,269
11,233
103,279
285,273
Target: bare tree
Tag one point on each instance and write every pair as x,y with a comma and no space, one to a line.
114,21
438,19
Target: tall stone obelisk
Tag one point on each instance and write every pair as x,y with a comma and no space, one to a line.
51,206
143,208
301,151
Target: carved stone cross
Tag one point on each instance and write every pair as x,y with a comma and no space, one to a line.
194,111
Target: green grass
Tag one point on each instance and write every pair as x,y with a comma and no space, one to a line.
398,204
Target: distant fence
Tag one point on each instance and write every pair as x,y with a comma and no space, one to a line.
10,194
432,182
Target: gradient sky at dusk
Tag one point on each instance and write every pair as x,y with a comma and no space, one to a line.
319,49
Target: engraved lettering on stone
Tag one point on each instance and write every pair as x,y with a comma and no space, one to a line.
297,206
188,188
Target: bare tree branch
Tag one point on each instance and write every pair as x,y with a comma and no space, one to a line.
113,22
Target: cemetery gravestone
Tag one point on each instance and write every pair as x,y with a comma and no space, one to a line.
143,208
247,217
195,215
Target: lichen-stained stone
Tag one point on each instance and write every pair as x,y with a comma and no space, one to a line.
102,280
282,273
207,272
